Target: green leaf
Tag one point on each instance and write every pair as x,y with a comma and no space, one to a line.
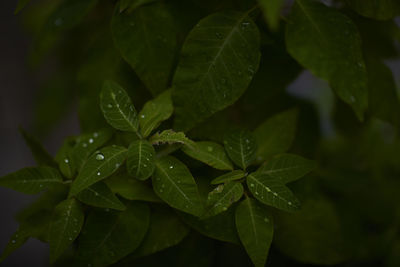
117,107
328,43
171,137
109,236
174,184
209,153
63,159
31,180
218,61
380,10
99,195
165,230
44,203
220,227
255,229
271,191
154,112
69,14
140,159
20,5
35,225
147,40
85,145
222,197
287,167
314,235
230,176
65,226
241,147
131,5
271,10
276,134
98,167
41,156
131,189
383,100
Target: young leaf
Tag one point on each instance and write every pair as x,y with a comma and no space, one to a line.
381,10
131,189
65,226
271,191
255,229
222,197
99,195
85,145
171,137
63,158
165,230
218,61
98,167
109,236
154,112
147,40
31,180
117,108
220,227
271,11
41,156
209,153
173,183
328,43
241,148
276,134
140,159
230,176
287,167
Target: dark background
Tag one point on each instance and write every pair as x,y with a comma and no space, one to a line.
18,89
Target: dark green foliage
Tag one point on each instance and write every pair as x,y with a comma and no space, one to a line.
196,134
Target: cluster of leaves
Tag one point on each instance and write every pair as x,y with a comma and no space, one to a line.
88,172
218,67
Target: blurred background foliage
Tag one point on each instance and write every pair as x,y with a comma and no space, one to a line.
350,213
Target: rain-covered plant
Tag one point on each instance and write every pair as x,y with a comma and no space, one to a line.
204,174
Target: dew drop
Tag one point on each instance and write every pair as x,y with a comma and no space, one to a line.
257,193
245,24
117,165
117,105
252,185
66,161
109,106
13,241
84,145
247,141
98,173
99,156
142,116
171,167
290,203
96,194
275,194
70,239
95,135
144,165
91,141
